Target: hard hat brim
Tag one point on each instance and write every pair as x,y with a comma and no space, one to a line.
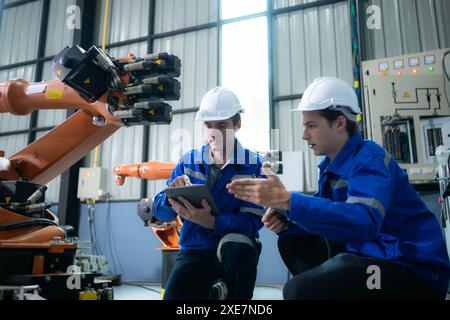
320,108
217,118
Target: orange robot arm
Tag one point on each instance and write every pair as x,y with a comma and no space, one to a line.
131,99
151,170
110,93
167,232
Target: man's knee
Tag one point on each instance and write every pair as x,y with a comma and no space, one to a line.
237,246
302,286
237,250
330,280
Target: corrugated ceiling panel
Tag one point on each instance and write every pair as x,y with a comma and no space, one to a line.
409,23
343,42
12,144
198,54
393,43
312,39
277,4
327,40
126,20
427,25
282,55
311,43
139,49
58,34
407,26
443,22
177,14
19,33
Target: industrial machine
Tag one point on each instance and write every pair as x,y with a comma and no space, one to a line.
407,109
442,156
92,184
109,93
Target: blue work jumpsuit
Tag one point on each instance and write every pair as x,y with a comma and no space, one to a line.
230,251
366,205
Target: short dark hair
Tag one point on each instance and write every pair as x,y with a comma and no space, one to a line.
331,115
236,118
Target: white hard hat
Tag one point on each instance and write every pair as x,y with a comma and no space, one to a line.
218,104
330,93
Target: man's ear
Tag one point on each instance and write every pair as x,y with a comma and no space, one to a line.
341,123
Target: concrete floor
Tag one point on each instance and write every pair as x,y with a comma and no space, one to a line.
151,291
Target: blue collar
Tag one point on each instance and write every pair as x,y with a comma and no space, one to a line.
343,155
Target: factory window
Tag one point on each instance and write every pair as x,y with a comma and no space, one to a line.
238,8
245,71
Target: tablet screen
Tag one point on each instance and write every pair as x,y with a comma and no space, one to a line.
194,194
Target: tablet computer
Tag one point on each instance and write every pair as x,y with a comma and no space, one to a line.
194,194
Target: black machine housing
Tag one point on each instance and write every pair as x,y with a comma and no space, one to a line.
17,192
77,68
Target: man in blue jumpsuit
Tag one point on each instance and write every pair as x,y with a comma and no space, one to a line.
366,233
225,246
